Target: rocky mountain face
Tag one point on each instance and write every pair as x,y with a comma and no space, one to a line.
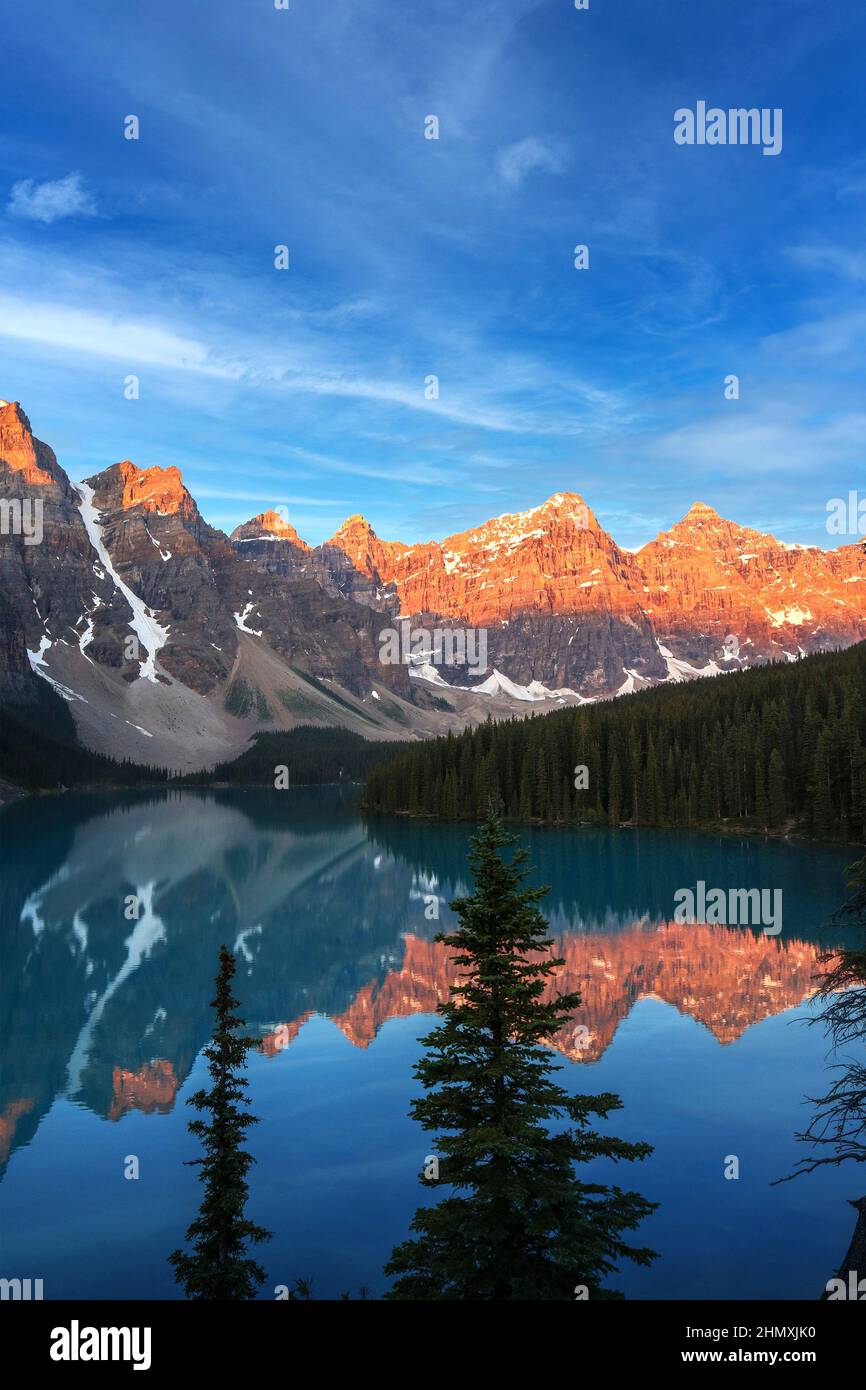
273,546
198,584
165,644
560,601
708,578
268,527
368,555
171,642
44,584
565,606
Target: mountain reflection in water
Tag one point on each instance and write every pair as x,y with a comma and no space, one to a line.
329,915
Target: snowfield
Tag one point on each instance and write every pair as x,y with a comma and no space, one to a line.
148,631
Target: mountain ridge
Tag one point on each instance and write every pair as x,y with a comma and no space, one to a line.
173,643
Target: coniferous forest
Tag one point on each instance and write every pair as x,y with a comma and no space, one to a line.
311,754
40,750
780,747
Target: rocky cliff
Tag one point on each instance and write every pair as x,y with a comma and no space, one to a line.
171,642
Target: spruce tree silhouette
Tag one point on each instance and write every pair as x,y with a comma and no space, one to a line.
219,1267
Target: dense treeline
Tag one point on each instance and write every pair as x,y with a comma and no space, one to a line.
780,746
311,755
40,750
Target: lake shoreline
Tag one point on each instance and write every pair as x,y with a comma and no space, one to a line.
713,828
11,795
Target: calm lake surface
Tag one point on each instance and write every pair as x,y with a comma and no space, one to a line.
697,1027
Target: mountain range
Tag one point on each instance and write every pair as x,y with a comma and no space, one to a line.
172,643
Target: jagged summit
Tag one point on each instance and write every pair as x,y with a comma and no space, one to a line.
561,506
21,452
553,557
124,485
699,511
561,502
353,534
565,610
700,517
367,553
269,525
705,528
355,522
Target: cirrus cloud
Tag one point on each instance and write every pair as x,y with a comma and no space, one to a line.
52,200
516,161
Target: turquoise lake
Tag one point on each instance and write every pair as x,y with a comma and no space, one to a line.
700,1029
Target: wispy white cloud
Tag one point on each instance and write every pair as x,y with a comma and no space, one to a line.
775,439
52,200
836,334
419,474
83,330
412,257
504,394
838,260
234,495
515,161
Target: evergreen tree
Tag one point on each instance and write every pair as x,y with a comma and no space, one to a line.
762,805
520,1224
837,1132
822,796
614,790
776,788
219,1267
773,745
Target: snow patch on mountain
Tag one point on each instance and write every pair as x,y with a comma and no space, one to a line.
87,635
633,681
426,671
163,554
499,684
241,620
38,665
795,616
679,670
149,632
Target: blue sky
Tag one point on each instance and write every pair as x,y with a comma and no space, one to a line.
454,257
